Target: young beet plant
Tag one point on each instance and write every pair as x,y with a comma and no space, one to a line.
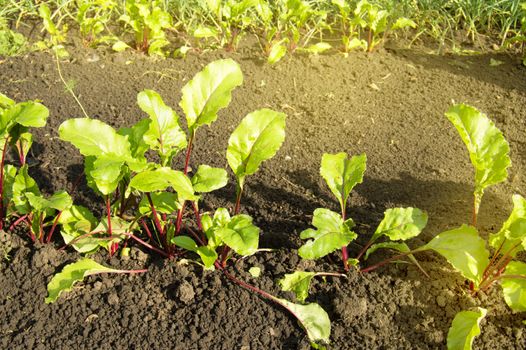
488,149
20,197
116,168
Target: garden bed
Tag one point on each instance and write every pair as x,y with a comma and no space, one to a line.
389,104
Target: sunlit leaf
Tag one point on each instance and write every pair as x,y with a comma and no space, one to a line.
257,138
513,231
59,201
313,319
488,150
208,179
464,328
72,273
94,138
24,184
332,233
209,91
342,174
464,249
164,133
277,51
514,286
297,282
240,234
401,224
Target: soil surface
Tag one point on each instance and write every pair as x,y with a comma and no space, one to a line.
389,104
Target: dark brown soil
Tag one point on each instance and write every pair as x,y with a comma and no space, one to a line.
389,105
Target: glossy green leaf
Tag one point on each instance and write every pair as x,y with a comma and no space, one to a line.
257,138
5,102
94,138
78,221
514,286
277,51
342,174
464,249
488,150
29,114
513,231
403,22
164,203
164,134
24,143
312,317
208,256
464,328
185,242
59,201
24,184
297,282
400,224
72,273
162,178
209,91
208,179
332,234
240,234
103,173
135,134
9,179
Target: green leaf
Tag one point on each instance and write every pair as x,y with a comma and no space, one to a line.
464,249
185,242
317,48
59,201
135,135
513,231
401,224
342,174
514,286
297,282
403,22
162,178
208,179
488,150
208,256
209,91
313,319
72,273
94,138
240,234
119,46
9,179
398,246
29,114
332,234
257,138
164,202
77,213
277,51
103,174
464,328
24,184
78,221
5,102
164,134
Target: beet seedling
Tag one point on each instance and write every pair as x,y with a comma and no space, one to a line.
148,20
488,149
333,230
16,119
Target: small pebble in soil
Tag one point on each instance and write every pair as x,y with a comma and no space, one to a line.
113,299
185,292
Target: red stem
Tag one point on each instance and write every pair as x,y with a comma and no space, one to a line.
55,222
18,221
20,147
146,229
147,245
197,216
385,262
2,184
155,216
